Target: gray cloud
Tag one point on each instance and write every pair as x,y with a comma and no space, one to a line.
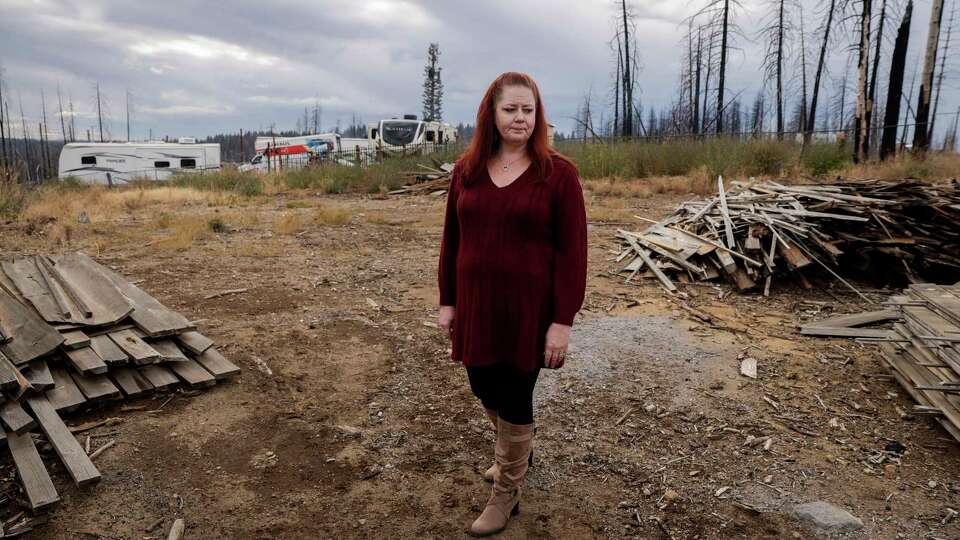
202,68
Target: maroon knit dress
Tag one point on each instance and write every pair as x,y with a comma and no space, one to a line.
513,260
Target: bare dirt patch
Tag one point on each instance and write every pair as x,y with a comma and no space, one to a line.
349,420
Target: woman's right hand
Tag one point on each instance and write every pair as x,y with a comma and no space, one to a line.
445,318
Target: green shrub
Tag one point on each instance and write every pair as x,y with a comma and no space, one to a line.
820,159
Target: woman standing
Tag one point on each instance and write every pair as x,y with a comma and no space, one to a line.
512,274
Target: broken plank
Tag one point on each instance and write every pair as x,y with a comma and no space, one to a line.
137,349
195,342
727,223
38,373
8,373
169,351
33,475
32,336
75,339
72,455
86,361
15,418
192,374
108,351
150,315
91,289
215,363
95,387
653,267
132,382
64,396
159,376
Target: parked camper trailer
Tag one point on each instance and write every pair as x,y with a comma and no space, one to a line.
119,163
406,132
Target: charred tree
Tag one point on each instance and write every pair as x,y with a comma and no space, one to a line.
943,69
898,62
627,78
921,140
861,127
872,92
812,115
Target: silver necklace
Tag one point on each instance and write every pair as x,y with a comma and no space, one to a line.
508,165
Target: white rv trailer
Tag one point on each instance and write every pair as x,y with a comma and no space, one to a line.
119,163
398,133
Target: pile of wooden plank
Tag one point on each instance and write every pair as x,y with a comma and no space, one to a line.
922,349
75,332
428,180
760,229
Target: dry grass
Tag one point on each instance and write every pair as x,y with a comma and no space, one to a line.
327,215
184,232
255,250
937,167
289,224
698,183
303,203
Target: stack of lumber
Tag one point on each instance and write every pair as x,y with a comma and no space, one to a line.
75,333
429,180
757,230
922,349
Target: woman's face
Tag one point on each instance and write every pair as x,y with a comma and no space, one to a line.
516,114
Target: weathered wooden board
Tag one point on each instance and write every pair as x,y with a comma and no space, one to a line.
86,361
131,381
108,351
34,285
95,387
195,342
856,319
32,336
215,363
192,374
847,332
75,339
72,455
150,315
33,475
159,376
8,373
169,351
15,418
82,277
38,373
137,349
64,396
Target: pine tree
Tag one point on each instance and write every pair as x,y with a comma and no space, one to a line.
432,85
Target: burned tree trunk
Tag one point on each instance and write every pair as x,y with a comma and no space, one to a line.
860,148
723,64
888,144
872,93
943,68
812,116
921,141
780,73
696,97
627,79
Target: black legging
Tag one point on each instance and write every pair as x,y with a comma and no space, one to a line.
506,390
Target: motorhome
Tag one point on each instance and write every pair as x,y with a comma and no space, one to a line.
119,163
399,133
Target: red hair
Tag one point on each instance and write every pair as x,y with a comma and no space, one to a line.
486,137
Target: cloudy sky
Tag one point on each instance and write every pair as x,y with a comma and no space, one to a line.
200,68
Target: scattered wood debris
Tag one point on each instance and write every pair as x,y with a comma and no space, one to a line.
428,180
73,333
922,349
757,230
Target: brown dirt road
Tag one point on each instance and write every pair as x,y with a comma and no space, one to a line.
349,420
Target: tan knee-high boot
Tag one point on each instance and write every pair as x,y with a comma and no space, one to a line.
492,415
514,442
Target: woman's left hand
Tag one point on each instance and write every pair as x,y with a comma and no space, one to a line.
558,338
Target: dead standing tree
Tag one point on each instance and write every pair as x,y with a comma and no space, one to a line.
898,62
860,148
943,69
720,14
812,115
872,92
921,140
775,33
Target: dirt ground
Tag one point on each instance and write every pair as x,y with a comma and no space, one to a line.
350,421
